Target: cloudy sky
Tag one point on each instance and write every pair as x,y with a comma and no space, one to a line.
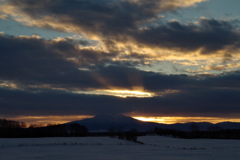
63,60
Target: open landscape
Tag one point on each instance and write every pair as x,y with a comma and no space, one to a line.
119,80
105,148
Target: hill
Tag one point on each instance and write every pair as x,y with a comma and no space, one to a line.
103,122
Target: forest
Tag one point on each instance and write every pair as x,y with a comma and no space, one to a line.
14,129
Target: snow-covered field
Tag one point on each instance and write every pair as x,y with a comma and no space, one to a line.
105,148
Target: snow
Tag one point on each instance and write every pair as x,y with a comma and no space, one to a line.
105,148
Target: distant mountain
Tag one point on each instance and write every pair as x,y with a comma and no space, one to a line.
103,122
229,125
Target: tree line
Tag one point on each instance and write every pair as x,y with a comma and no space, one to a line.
14,129
213,132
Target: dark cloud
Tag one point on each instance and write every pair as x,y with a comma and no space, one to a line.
196,96
209,36
227,80
198,102
35,61
123,21
32,60
98,16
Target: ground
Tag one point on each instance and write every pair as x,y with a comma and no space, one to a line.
105,148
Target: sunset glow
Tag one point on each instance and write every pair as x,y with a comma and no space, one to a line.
172,120
44,120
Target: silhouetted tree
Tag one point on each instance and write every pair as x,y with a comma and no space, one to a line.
120,132
194,128
10,128
131,135
77,130
112,131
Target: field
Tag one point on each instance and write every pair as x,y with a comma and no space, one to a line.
105,148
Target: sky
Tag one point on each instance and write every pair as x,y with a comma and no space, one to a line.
156,60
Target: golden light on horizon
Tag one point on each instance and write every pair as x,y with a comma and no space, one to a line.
172,120
44,120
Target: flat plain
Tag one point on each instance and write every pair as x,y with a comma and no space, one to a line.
105,148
